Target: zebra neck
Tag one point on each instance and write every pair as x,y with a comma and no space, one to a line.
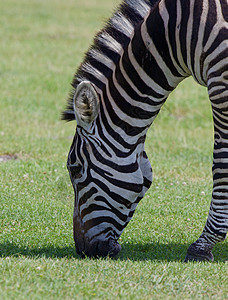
135,86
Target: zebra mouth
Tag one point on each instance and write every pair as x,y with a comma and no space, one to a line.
100,248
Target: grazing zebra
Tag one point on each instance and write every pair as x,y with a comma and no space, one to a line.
146,49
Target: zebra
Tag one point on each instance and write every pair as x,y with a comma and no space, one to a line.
143,52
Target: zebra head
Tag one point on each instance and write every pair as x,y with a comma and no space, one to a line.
108,180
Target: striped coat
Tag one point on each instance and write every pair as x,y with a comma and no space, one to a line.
146,49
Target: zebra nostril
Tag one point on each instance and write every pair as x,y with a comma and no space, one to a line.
115,248
106,248
100,248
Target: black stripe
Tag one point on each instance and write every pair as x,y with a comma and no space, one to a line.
84,198
130,110
130,91
116,197
197,12
132,15
129,130
105,138
224,6
119,36
95,207
185,12
221,36
111,233
211,21
146,59
172,11
97,221
127,169
136,79
220,176
213,62
133,187
221,155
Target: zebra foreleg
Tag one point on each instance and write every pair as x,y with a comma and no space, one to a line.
216,226
214,231
217,222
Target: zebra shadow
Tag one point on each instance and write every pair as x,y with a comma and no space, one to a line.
153,251
11,249
169,252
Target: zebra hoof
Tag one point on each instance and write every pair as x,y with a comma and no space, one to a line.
198,253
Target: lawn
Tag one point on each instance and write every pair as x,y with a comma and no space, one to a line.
42,43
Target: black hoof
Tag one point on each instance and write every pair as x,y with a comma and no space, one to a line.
196,253
191,257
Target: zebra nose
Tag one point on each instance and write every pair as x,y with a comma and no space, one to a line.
100,248
103,248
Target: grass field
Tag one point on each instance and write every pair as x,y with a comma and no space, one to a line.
42,43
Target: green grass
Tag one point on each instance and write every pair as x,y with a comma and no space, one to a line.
42,43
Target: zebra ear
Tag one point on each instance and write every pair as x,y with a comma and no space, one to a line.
86,103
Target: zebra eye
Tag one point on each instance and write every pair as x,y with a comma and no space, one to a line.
75,170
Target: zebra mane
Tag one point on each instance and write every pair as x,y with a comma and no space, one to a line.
105,51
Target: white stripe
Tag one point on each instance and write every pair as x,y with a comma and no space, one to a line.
199,46
217,97
102,58
221,23
100,227
140,6
110,42
122,24
136,103
178,45
189,35
104,213
142,74
130,139
149,44
165,17
223,46
125,75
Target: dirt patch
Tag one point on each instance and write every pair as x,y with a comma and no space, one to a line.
6,157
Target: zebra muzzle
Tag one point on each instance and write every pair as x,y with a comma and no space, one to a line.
100,248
